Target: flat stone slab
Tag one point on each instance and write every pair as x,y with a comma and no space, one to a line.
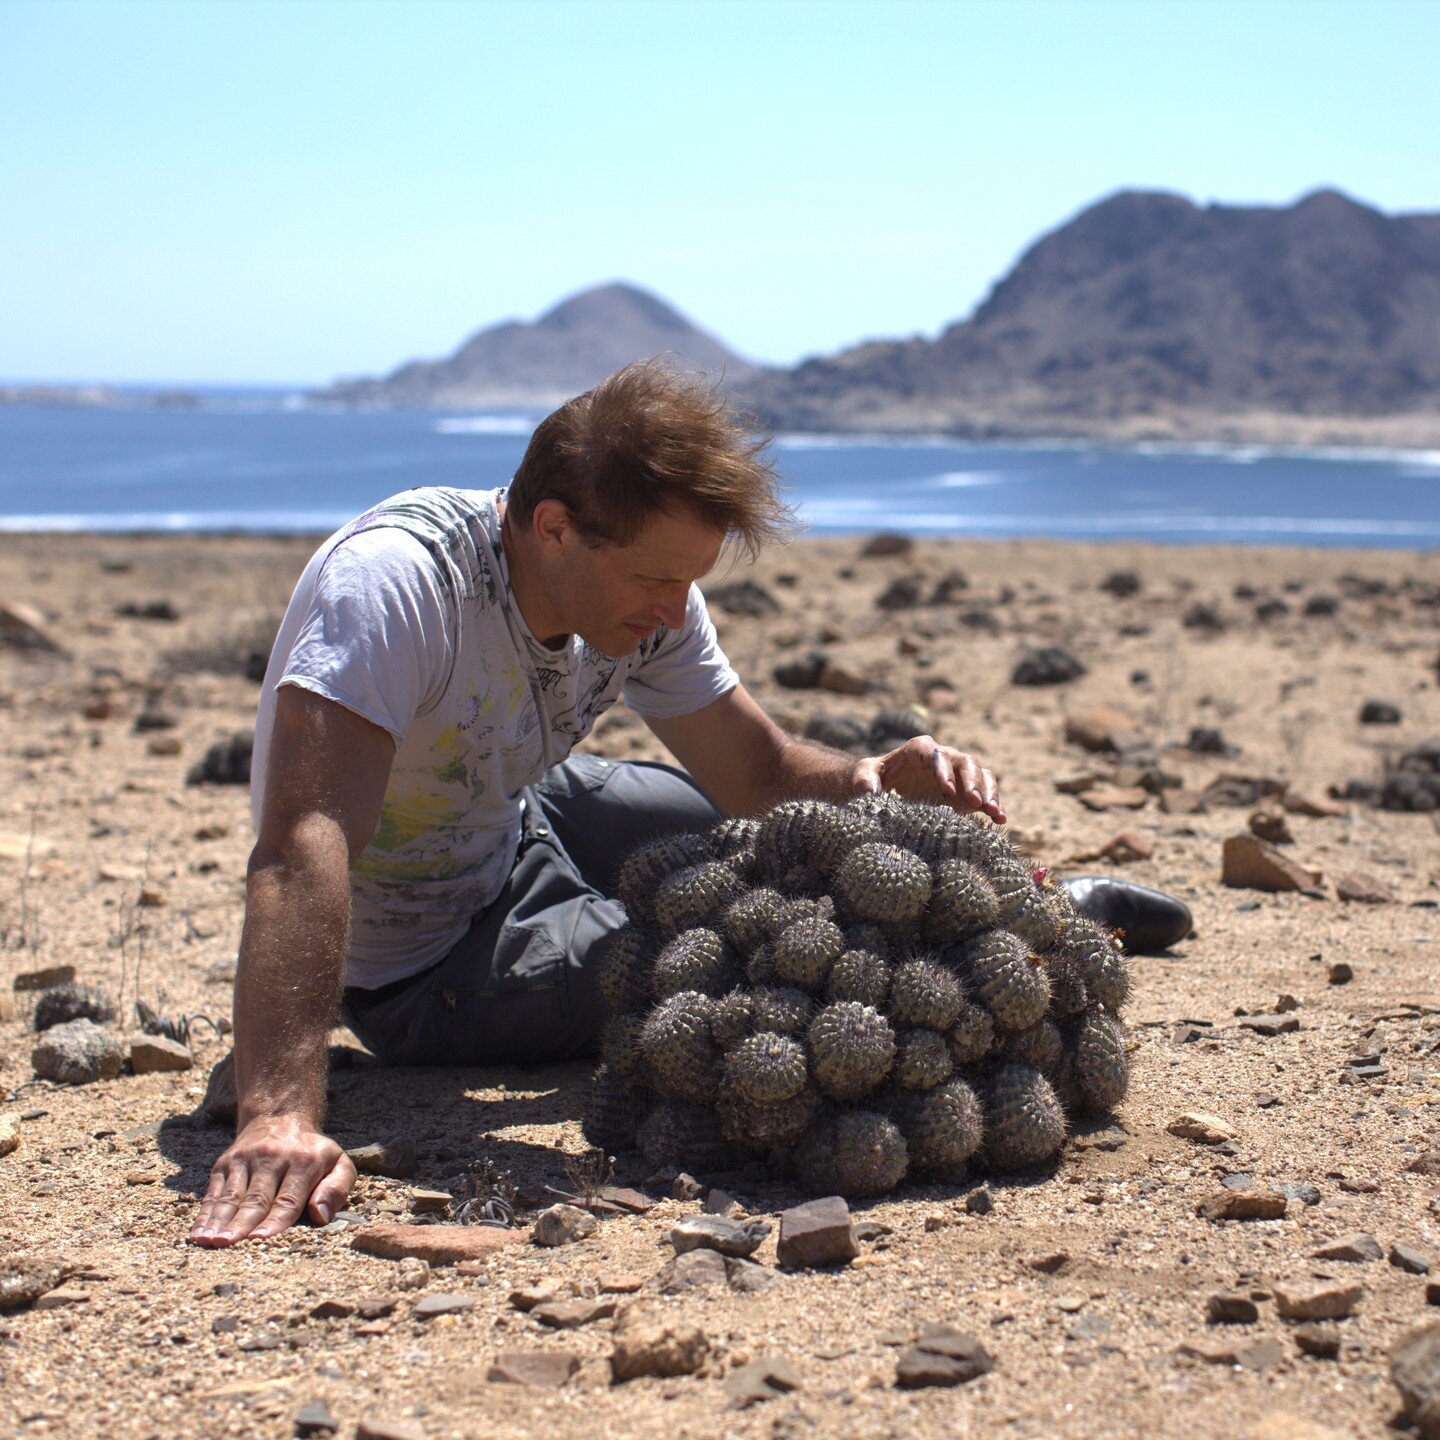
572,1314
442,1302
150,1054
942,1357
714,1232
1357,1248
537,1369
765,1379
1317,1300
1202,1127
439,1244
1242,1205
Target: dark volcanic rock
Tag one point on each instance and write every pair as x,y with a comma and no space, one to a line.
1379,712
1050,665
815,1234
226,762
943,1357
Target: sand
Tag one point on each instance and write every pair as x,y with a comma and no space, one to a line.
1090,1350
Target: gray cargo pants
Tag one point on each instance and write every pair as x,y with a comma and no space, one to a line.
520,986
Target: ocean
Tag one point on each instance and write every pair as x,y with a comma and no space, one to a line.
264,462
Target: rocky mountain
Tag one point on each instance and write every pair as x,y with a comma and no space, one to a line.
1150,316
564,352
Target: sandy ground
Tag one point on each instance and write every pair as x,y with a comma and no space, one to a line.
1092,1350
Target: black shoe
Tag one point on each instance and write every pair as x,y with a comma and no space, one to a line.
1149,920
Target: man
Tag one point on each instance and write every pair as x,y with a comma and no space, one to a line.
424,834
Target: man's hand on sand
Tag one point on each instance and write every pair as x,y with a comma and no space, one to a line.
924,769
277,1169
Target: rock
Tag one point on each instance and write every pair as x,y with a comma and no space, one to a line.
1425,1164
77,1053
163,745
1432,1292
1321,604
1301,1190
942,1356
841,681
24,1279
1115,797
713,1232
562,1225
694,1270
1298,804
23,627
1316,1300
1049,1264
979,1201
1250,864
1341,973
1050,665
1271,826
839,732
884,544
1201,616
648,1344
902,593
226,762
9,1134
1259,1355
1270,1024
220,1098
803,674
572,1314
442,1302
949,588
315,1419
1201,1126
46,979
537,1369
722,1202
430,1202
1206,740
1121,584
746,1277
396,1158
1229,1307
62,1298
633,1202
684,1186
331,1310
1102,730
1357,1248
379,1427
1321,1341
1121,848
1415,1369
1360,887
743,597
148,610
438,1244
816,1233
892,728
1241,1205
1379,712
764,1379
152,1053
1412,1262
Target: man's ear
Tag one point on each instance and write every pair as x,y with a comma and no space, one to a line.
550,522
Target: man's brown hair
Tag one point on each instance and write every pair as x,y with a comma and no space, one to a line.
650,440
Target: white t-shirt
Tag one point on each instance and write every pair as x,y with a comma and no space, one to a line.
406,617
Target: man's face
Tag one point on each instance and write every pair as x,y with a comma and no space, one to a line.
614,596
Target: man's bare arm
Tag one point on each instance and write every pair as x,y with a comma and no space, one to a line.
745,762
326,780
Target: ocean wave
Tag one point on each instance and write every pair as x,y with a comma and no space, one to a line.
257,522
486,425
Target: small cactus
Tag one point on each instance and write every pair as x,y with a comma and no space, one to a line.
884,883
924,992
63,1003
962,903
1024,1121
922,1059
851,1047
695,895
805,950
859,975
752,918
766,1069
781,1008
679,1135
696,959
613,1115
675,1040
854,1152
943,1128
648,866
1007,979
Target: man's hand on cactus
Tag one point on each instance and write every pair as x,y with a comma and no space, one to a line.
924,769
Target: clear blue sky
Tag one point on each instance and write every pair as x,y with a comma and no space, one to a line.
291,189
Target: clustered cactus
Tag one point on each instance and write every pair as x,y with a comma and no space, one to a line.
852,994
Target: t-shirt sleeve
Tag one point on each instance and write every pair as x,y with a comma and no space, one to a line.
686,671
379,634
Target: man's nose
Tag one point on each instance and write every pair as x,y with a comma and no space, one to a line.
671,611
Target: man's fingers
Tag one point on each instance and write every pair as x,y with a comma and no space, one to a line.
229,1181
940,763
332,1192
867,777
290,1198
